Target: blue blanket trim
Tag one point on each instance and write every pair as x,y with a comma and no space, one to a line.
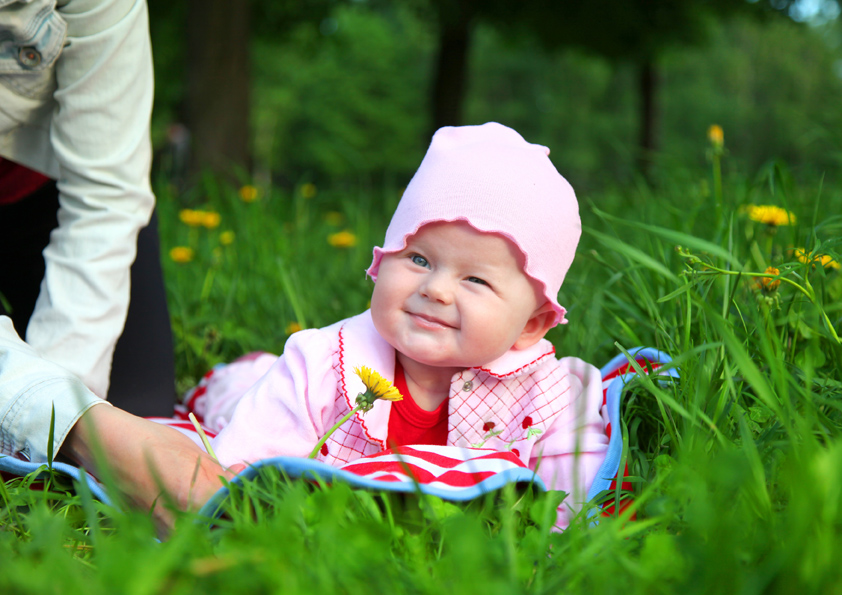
318,471
19,467
611,465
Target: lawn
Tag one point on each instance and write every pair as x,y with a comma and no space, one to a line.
736,467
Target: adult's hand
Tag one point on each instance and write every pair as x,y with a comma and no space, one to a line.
152,464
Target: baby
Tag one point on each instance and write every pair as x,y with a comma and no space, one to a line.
466,287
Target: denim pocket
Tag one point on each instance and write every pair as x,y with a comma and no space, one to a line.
32,35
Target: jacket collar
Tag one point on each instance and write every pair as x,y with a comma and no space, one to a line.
361,345
517,362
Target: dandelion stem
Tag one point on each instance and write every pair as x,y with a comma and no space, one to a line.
335,427
207,285
717,188
688,319
202,435
808,292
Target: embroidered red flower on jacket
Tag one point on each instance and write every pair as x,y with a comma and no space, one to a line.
488,426
527,422
324,449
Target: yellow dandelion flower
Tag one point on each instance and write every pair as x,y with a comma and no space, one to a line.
769,214
768,284
308,190
249,193
376,386
210,219
334,218
828,262
191,217
716,136
181,254
293,327
342,239
226,238
825,260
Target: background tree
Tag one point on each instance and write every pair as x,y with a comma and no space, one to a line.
208,45
218,99
454,20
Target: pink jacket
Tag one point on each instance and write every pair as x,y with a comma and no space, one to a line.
543,409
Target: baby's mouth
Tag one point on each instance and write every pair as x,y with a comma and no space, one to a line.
427,321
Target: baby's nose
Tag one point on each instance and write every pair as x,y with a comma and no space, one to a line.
438,288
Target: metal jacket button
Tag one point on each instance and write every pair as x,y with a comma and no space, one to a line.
467,386
29,57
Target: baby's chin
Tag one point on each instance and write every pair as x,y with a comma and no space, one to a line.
449,363
431,361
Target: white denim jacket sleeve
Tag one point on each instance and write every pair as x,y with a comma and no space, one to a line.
83,119
29,389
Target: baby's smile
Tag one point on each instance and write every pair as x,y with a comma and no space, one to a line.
426,321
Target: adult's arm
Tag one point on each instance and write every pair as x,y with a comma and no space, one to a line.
29,388
157,467
145,458
99,137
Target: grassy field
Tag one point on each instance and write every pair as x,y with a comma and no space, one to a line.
737,467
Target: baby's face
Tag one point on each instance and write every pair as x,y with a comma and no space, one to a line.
454,297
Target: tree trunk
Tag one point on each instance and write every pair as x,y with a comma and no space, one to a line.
218,84
648,132
450,82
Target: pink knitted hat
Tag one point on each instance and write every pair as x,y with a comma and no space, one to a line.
490,177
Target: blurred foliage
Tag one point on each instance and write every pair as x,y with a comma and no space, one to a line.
774,88
344,98
624,30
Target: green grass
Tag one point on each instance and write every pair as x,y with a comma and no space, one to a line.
737,467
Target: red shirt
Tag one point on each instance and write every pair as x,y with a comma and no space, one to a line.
17,181
409,424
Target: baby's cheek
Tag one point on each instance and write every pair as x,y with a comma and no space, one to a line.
377,303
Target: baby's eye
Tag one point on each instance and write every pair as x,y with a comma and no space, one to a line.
477,280
419,260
